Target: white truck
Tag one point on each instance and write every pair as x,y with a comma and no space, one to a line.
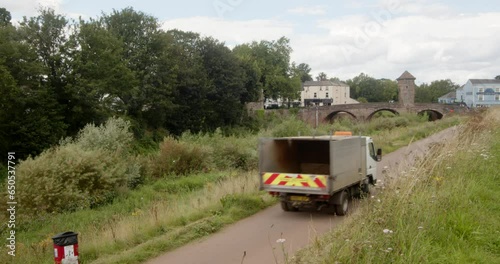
314,172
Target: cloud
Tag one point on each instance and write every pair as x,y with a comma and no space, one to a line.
30,7
231,31
308,10
453,46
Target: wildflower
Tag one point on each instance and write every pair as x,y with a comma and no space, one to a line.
420,227
448,168
372,197
387,231
378,200
281,240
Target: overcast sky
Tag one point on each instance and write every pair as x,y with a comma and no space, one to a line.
433,40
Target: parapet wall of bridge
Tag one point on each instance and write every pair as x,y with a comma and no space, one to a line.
363,112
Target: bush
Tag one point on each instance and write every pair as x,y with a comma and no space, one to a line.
177,158
401,121
291,127
234,155
384,124
113,136
80,173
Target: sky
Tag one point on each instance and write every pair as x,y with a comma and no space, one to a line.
433,40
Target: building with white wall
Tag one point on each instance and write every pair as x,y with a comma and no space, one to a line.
479,93
323,93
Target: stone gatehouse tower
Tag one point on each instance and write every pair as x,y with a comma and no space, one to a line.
406,87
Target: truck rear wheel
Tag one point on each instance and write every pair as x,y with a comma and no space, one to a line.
342,208
284,206
287,207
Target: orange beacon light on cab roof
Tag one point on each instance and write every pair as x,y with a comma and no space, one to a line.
342,133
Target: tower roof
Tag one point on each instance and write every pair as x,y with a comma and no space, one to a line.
406,75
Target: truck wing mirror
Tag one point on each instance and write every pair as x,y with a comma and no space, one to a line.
379,154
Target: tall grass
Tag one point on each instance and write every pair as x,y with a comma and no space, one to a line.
177,210
443,210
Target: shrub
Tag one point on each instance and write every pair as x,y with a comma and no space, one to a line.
177,158
234,155
401,121
291,127
113,136
83,172
384,123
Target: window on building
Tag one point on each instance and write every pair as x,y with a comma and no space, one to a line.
497,97
321,88
497,90
315,95
481,97
481,90
326,95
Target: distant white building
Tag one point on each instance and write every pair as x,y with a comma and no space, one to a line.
448,98
479,93
324,93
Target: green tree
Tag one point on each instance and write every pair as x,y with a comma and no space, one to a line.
47,36
145,50
5,17
100,74
497,77
303,71
30,117
273,61
429,93
322,77
387,90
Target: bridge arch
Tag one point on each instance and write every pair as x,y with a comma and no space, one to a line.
433,114
338,114
370,116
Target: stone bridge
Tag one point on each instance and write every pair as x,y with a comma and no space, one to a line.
365,111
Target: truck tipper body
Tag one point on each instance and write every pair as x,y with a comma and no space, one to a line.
317,171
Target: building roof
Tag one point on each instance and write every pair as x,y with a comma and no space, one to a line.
484,81
406,75
451,95
324,83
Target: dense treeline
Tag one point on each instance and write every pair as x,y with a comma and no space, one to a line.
57,75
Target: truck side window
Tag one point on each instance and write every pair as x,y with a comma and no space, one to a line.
372,151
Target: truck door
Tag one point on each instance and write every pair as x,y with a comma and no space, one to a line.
371,162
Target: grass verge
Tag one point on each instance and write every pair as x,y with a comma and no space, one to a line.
443,210
152,219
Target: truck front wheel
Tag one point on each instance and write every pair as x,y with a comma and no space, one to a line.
342,208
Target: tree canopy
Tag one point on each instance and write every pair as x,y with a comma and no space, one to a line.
58,75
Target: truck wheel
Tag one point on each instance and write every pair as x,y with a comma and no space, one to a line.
365,189
284,206
288,207
342,208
